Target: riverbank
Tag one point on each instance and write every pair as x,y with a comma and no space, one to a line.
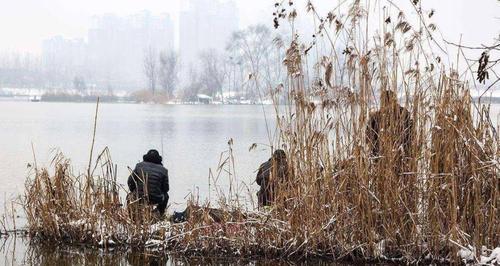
139,96
63,98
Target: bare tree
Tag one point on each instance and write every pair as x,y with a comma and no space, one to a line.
193,87
79,84
213,72
20,70
260,54
169,71
150,68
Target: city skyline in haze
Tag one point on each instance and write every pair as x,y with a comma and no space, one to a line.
115,46
114,51
25,24
28,36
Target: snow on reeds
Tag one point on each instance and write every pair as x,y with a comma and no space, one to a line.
430,189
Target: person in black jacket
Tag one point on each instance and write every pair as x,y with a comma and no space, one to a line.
151,172
271,172
390,131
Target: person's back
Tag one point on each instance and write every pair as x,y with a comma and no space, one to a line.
152,173
271,172
394,121
262,179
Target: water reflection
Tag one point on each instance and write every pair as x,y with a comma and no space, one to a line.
40,254
22,251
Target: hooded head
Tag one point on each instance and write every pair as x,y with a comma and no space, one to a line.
279,155
388,98
152,157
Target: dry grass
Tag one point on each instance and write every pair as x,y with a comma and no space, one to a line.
82,209
341,200
146,96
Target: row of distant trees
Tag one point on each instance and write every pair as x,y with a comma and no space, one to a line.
26,70
20,70
250,64
161,69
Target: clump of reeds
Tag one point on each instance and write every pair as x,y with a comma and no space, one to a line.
429,190
85,209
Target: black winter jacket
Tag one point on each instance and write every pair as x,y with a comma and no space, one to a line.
267,185
157,180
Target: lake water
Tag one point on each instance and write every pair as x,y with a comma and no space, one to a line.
17,251
192,138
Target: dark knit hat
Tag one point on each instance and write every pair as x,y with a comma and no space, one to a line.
153,157
279,155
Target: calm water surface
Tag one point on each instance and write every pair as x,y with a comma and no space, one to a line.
192,138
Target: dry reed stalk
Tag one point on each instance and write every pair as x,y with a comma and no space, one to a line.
443,190
59,209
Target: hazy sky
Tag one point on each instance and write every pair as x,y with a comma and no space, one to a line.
24,24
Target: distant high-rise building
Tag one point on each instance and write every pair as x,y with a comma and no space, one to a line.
206,24
62,59
113,55
117,46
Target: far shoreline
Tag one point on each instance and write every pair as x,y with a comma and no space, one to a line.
120,101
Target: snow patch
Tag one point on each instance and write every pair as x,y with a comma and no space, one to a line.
492,259
468,255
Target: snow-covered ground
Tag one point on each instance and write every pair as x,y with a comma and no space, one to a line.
487,257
